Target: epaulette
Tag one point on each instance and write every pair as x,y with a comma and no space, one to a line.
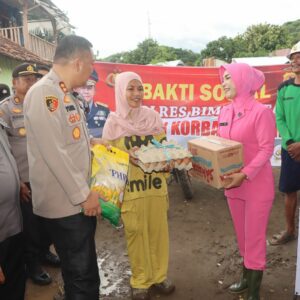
101,103
286,83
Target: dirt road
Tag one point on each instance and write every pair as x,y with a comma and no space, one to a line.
204,258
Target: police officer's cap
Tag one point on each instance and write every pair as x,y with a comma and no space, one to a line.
93,79
24,69
4,91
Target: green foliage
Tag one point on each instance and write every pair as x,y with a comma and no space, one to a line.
115,58
143,55
264,38
257,40
150,52
223,48
293,28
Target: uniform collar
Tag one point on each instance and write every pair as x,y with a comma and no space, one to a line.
53,76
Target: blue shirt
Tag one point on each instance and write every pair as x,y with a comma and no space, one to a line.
96,119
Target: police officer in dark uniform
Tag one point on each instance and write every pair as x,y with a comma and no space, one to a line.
98,111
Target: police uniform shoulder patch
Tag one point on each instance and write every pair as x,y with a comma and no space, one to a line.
101,103
52,103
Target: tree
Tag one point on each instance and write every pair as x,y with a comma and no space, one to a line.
164,53
150,52
265,38
223,48
187,56
257,40
293,28
115,58
143,55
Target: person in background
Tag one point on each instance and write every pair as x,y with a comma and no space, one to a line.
36,240
60,163
4,91
97,112
42,70
250,192
12,266
287,119
144,211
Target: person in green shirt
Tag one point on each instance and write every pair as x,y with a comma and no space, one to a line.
287,119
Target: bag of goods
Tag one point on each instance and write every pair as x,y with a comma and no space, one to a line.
109,178
162,156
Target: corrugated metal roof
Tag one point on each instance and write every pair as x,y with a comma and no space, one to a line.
262,61
172,63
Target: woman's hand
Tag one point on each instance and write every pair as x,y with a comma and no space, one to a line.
234,180
99,141
132,157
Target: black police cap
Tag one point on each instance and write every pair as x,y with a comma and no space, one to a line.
24,69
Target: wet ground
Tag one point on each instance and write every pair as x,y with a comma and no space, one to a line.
203,259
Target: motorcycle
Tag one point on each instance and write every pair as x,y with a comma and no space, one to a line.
183,178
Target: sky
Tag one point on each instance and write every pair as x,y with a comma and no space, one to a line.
115,26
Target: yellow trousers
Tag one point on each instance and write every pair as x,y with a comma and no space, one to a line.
146,231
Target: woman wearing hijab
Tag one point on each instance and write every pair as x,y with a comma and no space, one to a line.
250,192
145,203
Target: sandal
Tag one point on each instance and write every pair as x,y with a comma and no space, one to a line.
281,238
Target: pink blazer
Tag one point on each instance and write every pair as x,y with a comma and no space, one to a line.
254,127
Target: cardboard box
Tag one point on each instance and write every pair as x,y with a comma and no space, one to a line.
214,157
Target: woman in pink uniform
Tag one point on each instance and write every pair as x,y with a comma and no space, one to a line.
250,192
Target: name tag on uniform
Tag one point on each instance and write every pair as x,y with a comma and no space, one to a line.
223,124
17,121
70,107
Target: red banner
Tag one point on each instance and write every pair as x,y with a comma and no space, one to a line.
188,99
